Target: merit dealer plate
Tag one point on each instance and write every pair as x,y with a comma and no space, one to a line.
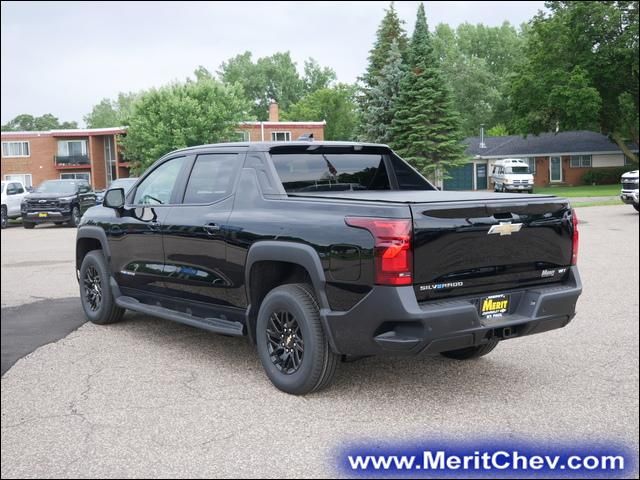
42,215
494,306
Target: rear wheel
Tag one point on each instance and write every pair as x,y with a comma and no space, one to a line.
4,218
472,352
292,345
97,300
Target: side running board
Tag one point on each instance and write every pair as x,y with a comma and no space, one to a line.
217,325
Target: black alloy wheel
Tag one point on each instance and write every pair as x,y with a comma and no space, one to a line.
92,288
285,342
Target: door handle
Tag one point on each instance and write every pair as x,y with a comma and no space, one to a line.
211,228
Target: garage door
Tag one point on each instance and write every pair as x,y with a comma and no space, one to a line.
461,178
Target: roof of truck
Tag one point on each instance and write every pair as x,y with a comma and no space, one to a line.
266,146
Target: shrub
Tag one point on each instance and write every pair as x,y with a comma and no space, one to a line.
606,176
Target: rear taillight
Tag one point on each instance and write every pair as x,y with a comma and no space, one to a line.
392,251
575,237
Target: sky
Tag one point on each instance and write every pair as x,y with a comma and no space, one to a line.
63,57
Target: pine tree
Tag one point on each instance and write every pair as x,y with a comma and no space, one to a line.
376,120
390,30
426,128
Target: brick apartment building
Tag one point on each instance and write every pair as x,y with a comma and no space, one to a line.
94,154
274,130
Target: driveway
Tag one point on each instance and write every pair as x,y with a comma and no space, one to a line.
150,398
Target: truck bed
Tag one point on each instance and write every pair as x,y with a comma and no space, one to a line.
424,196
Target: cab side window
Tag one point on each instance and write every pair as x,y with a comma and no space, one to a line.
157,187
211,178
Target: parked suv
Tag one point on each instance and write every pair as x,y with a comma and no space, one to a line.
13,192
629,192
125,183
318,251
57,201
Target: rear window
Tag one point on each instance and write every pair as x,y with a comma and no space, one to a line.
345,171
319,172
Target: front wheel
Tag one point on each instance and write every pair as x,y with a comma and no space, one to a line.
292,345
635,205
28,225
75,217
95,293
472,352
5,218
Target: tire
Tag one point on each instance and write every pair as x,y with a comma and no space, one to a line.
635,205
294,307
75,217
28,225
472,352
95,292
3,217
58,223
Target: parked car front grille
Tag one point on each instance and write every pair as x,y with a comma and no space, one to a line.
42,204
521,182
629,186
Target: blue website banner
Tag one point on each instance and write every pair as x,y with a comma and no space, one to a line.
497,459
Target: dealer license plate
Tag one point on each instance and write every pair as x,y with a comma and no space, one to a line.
494,306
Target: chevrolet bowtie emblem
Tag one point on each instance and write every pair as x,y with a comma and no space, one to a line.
505,228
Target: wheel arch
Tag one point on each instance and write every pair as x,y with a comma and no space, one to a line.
286,262
91,238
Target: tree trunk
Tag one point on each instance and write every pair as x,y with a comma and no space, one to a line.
623,146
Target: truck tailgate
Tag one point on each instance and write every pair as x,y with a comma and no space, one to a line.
457,252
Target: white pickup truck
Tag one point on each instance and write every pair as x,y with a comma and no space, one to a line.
629,192
13,192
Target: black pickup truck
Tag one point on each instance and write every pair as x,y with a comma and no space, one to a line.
57,201
321,251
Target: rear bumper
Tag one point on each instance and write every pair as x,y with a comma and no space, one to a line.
389,320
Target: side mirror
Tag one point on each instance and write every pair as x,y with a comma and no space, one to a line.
114,198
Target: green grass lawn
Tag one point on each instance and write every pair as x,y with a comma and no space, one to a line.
581,191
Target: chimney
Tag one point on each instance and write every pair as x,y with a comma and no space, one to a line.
274,115
482,144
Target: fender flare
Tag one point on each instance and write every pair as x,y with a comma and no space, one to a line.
291,252
95,233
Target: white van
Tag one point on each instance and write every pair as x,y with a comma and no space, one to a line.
512,175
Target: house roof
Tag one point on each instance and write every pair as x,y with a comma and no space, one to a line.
284,124
72,132
582,141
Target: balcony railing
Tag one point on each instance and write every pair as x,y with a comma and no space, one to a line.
71,160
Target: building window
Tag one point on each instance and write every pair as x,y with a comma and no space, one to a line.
580,161
15,149
76,176
25,178
242,136
532,165
72,148
280,136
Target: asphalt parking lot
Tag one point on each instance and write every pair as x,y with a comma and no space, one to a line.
150,398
